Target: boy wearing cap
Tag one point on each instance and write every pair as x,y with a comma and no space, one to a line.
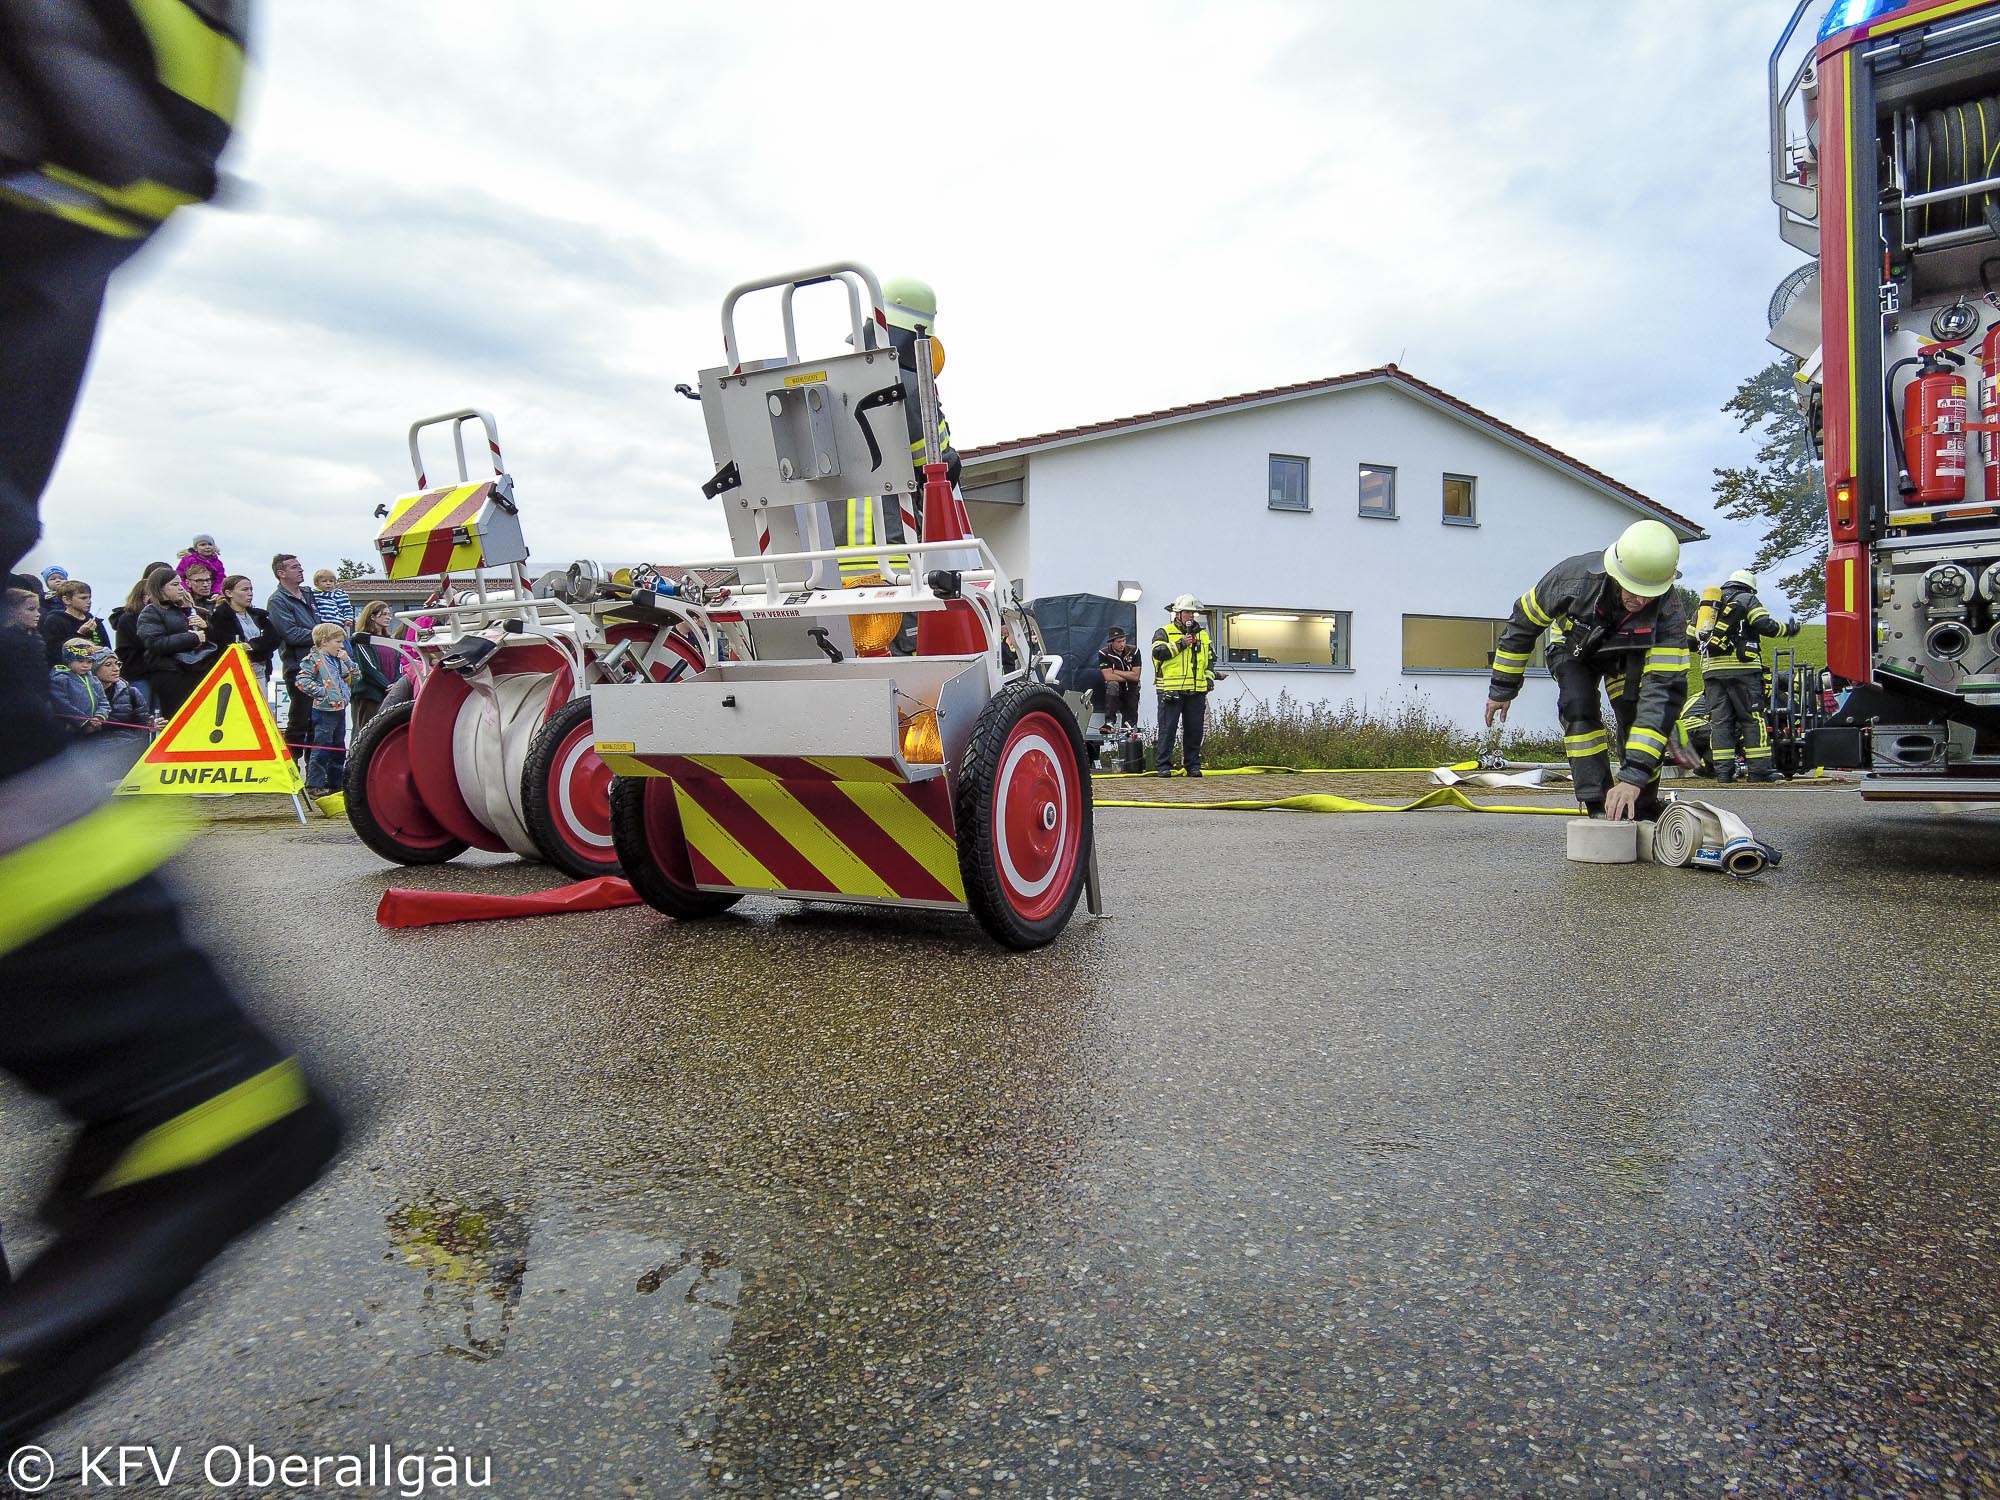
79,698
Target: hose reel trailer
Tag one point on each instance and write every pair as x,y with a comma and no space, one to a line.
807,760
496,752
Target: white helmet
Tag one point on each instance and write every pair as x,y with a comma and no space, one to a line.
1745,577
1185,601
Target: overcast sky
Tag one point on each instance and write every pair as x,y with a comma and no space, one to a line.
1557,211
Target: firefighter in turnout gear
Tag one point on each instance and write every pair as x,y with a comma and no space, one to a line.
1616,625
912,310
1733,669
1183,673
192,1123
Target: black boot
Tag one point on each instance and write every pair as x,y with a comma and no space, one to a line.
1765,773
1725,770
135,1228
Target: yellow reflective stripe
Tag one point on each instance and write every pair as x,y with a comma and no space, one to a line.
734,768
913,829
1760,613
82,213
717,845
853,768
210,1128
814,841
1650,739
1515,659
1586,744
1531,606
1501,669
191,57
1664,659
146,198
58,877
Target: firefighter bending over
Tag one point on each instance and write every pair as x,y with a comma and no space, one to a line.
193,1124
911,307
1733,669
1616,625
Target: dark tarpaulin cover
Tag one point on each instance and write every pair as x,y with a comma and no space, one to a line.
1074,626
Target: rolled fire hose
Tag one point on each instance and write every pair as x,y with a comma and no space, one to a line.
1710,838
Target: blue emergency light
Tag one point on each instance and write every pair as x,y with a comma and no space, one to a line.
1846,13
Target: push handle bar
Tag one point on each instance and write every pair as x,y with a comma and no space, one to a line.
856,278
457,419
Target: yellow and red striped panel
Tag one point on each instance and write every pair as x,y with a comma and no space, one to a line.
820,830
417,538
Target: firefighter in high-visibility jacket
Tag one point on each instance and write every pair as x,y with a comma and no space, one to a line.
193,1124
1616,625
911,307
1733,670
1183,675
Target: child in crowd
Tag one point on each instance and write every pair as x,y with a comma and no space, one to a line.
329,603
327,677
127,721
77,696
23,611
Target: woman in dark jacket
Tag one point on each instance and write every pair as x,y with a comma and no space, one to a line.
376,655
175,639
236,620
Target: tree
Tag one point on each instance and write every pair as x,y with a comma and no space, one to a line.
1783,488
349,568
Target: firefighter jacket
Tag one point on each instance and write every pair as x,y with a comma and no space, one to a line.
1586,619
1735,646
1183,661
113,112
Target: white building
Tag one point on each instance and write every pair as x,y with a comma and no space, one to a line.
1360,537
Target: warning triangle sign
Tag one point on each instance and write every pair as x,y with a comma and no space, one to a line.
223,739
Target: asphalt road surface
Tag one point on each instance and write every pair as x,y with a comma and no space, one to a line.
1349,1154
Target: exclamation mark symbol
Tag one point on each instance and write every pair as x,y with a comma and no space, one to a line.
221,710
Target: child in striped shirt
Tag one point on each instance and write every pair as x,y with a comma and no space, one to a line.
331,604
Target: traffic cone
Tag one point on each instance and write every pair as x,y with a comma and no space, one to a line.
953,630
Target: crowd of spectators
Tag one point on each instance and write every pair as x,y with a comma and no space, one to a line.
116,680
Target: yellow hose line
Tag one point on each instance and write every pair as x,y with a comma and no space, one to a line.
1462,766
1326,802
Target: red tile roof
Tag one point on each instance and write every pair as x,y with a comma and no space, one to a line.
1360,377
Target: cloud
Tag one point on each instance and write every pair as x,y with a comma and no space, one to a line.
1558,213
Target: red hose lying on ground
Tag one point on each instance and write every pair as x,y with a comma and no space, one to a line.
401,908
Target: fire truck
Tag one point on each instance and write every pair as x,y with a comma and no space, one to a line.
1885,166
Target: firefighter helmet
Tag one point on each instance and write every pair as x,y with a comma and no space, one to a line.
1745,577
1185,601
909,303
1643,559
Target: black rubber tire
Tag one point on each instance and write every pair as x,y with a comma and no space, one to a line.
635,854
972,812
539,815
354,787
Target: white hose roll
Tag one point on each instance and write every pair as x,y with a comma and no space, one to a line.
1677,835
1647,828
1599,841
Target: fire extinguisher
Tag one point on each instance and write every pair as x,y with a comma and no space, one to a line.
1932,450
1989,409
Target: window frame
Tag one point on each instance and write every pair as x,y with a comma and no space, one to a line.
1361,495
1304,507
1219,615
1537,658
1471,483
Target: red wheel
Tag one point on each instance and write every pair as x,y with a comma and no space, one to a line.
1023,815
646,830
566,795
383,802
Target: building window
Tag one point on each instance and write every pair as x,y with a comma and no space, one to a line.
1460,503
1378,491
1456,643
1288,483
1285,638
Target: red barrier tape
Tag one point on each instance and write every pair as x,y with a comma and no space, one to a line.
401,908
